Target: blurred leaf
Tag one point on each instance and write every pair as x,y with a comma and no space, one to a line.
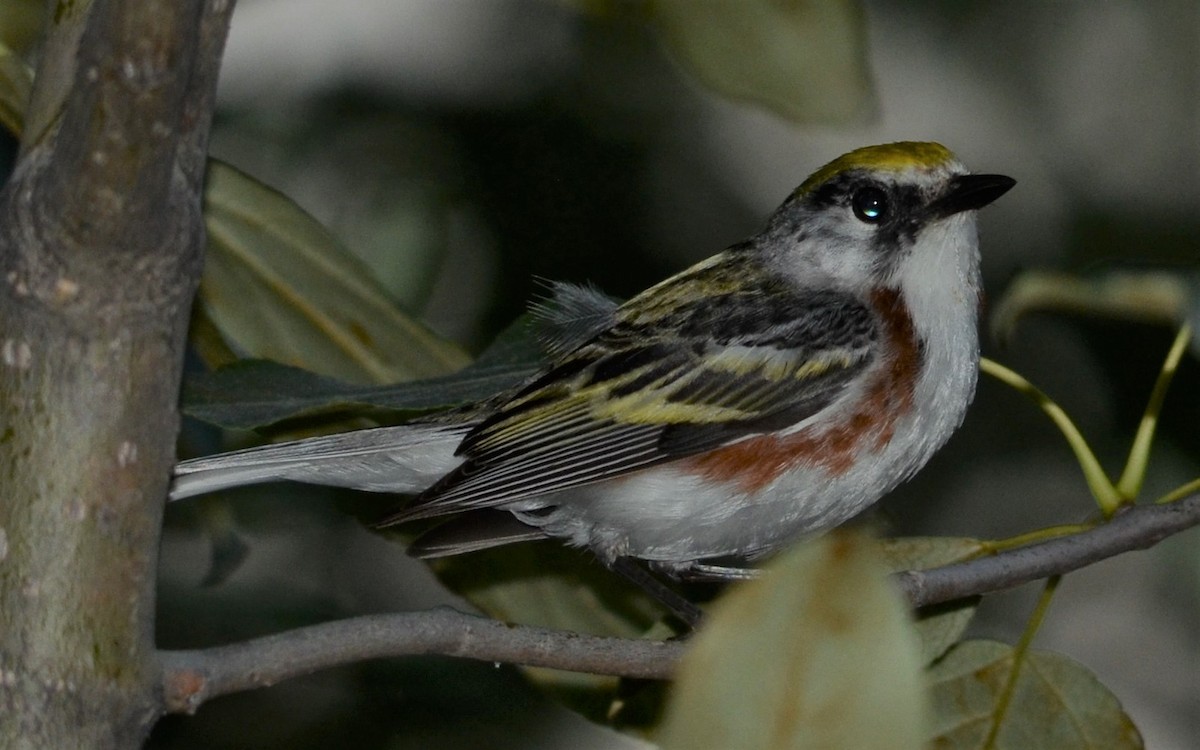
925,552
817,653
803,59
58,56
278,286
208,343
517,346
939,626
1055,704
551,585
254,393
388,185
21,24
1152,296
16,81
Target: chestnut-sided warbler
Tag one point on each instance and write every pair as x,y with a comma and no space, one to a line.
772,391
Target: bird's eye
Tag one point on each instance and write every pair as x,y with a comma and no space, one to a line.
870,204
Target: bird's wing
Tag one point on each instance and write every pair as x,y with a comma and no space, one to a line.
685,369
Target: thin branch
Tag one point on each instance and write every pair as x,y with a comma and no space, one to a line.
192,677
1135,527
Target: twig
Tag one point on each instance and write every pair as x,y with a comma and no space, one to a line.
1136,527
192,677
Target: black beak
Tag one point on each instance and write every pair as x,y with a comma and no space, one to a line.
970,192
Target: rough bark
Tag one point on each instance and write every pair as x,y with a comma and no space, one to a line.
101,240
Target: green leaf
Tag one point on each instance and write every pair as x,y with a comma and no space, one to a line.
925,552
1056,703
56,73
549,585
817,653
939,626
553,586
804,59
22,25
250,394
16,81
278,286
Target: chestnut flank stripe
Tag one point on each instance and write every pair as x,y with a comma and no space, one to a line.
754,463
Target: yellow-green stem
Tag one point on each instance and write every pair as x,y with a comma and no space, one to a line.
1130,483
1179,493
1101,486
1032,537
1018,658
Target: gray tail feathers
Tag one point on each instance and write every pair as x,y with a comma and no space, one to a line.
404,459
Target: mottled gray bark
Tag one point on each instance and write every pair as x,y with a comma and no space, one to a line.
101,242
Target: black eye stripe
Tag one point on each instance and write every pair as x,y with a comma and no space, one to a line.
901,212
870,204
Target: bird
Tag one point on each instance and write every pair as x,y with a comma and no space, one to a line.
768,393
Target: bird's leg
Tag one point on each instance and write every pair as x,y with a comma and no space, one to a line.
699,572
675,603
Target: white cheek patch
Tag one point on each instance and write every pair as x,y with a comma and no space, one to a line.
839,253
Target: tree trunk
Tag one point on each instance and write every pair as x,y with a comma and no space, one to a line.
101,240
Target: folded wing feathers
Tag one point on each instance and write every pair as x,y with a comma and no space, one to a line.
599,428
623,397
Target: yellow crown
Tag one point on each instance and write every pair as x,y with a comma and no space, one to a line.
890,157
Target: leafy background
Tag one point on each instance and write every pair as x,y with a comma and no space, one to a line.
462,150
